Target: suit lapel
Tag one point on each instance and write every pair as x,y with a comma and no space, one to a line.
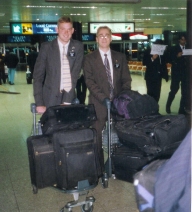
114,61
56,55
71,48
100,66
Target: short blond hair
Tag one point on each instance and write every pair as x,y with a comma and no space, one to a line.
64,19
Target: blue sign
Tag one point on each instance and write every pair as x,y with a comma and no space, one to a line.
18,39
33,28
88,37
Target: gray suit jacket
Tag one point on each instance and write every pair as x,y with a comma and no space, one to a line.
47,73
96,79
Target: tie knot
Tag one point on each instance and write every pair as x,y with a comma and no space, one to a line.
63,49
105,55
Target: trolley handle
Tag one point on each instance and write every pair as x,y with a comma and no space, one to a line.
36,126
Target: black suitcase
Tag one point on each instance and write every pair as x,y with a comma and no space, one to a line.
76,158
66,117
126,162
144,184
41,161
154,135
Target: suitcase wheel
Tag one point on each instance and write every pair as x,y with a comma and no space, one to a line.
87,207
35,189
105,180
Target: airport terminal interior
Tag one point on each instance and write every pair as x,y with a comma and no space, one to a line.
16,125
16,119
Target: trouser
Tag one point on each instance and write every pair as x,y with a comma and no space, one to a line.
81,89
154,88
175,84
99,126
11,74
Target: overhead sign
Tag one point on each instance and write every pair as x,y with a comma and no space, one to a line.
88,37
18,39
33,28
122,27
138,36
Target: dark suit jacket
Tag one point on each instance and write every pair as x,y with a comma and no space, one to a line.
47,73
31,59
178,69
154,69
96,79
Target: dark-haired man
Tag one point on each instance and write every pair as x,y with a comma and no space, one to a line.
178,75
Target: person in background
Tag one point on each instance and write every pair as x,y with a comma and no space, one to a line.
104,81
11,61
2,70
178,75
31,60
48,84
81,87
156,69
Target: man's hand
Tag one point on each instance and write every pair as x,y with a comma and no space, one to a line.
179,54
40,109
107,103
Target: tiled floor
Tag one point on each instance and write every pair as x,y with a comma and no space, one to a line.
15,188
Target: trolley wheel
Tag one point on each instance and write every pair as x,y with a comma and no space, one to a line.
63,210
104,181
87,207
35,189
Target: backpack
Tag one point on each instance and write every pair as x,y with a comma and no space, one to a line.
131,104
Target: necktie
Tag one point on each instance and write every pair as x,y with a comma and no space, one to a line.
65,73
107,67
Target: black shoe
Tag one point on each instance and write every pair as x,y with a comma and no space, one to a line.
12,84
168,110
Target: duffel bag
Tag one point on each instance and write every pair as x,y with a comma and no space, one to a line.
67,117
156,135
131,104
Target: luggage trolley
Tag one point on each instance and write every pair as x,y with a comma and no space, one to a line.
80,192
110,141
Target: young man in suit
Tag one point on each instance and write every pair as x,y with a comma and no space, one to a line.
47,86
97,80
178,75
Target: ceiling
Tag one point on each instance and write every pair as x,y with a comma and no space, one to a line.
165,14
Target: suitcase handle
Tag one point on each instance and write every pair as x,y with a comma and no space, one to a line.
36,126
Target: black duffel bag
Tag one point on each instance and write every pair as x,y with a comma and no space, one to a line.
67,117
130,104
153,135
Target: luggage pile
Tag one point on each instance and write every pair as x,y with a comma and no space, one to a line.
65,155
144,134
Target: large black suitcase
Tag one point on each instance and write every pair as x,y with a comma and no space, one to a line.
154,135
126,162
76,157
41,161
66,117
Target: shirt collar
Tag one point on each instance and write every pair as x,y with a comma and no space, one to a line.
61,44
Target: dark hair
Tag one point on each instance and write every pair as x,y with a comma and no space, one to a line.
65,19
181,36
158,41
33,49
103,27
